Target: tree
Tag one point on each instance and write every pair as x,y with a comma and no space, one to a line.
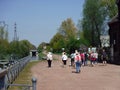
109,7
4,48
19,49
14,49
68,29
81,36
66,32
4,44
41,47
25,47
94,16
57,42
3,31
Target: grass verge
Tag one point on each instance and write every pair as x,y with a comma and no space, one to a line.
24,77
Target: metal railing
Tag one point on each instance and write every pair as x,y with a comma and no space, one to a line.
26,86
9,73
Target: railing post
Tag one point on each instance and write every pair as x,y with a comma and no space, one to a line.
34,82
3,80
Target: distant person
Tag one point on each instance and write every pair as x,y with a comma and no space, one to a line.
72,58
64,59
49,58
96,57
86,58
104,57
83,58
92,58
78,62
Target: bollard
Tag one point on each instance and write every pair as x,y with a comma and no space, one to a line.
34,82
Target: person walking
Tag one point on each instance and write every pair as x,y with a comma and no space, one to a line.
78,62
92,58
96,57
72,58
104,57
82,58
64,59
49,59
86,58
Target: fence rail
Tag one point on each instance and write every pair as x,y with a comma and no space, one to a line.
26,86
10,72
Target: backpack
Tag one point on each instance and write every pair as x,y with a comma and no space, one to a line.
78,58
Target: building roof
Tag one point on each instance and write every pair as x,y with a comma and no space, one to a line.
114,19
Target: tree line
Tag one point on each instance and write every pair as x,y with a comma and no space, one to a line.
14,49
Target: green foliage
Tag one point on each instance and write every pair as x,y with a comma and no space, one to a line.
95,16
20,49
109,8
68,29
3,33
57,42
41,47
72,44
66,37
25,47
16,49
4,44
4,48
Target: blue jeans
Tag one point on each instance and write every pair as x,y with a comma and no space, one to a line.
78,65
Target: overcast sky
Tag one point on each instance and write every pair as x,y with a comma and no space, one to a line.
38,20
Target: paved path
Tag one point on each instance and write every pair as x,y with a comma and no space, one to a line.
91,78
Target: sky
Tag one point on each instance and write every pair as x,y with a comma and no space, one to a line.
38,20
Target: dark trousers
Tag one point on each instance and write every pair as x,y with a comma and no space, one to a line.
72,61
64,62
49,63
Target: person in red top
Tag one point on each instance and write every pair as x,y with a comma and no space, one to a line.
78,62
83,58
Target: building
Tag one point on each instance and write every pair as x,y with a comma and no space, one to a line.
34,54
114,32
105,40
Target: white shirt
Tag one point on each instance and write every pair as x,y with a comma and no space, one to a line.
64,57
49,56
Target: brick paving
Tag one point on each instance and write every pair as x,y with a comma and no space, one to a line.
91,78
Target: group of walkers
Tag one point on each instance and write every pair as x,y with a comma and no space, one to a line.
79,59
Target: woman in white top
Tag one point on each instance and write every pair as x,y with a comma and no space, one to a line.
49,59
64,59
